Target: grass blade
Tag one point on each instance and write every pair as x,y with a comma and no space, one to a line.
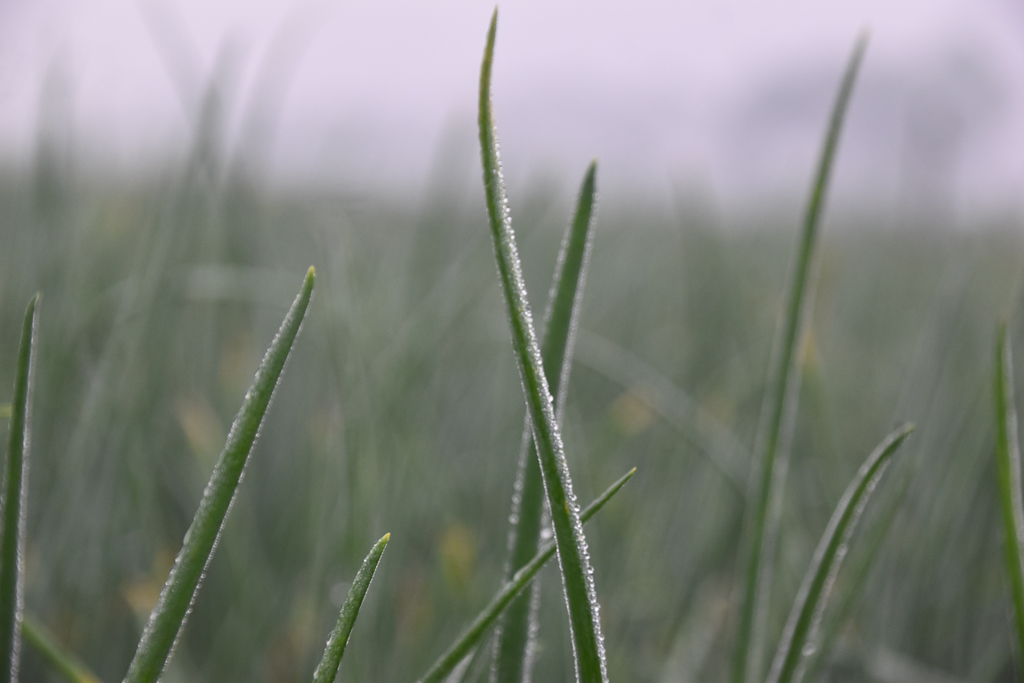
15,491
779,408
5,410
1008,460
574,561
67,664
166,620
328,667
515,630
788,666
476,630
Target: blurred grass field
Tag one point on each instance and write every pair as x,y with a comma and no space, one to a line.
400,412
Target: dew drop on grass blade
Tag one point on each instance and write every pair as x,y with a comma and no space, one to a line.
166,620
778,411
66,663
799,632
1008,461
517,626
574,561
328,667
15,492
474,633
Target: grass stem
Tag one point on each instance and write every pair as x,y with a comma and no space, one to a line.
168,617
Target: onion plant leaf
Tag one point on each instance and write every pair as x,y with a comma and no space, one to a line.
574,561
15,492
796,644
1008,460
328,667
778,411
176,598
475,632
518,623
66,663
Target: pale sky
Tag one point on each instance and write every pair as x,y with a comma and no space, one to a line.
729,95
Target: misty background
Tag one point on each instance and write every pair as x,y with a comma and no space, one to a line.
727,98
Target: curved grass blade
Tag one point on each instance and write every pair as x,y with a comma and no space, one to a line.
328,667
779,409
791,657
1008,460
517,626
476,630
574,561
15,493
176,598
855,578
43,641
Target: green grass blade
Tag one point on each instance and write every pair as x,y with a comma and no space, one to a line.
166,620
515,630
328,667
574,561
476,630
1008,460
15,491
855,578
779,408
791,657
43,641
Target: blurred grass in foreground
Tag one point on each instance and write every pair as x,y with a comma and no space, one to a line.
161,294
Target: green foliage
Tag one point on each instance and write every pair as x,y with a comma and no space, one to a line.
176,598
779,408
475,632
518,624
798,636
12,516
1008,462
328,667
44,642
402,413
573,557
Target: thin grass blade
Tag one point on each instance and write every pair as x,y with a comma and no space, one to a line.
1008,460
168,616
15,492
791,657
517,625
328,667
779,409
856,576
66,663
573,557
475,632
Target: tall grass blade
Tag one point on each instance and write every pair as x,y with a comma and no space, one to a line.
43,641
797,637
175,601
574,561
512,652
328,667
1008,460
779,408
15,492
476,630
